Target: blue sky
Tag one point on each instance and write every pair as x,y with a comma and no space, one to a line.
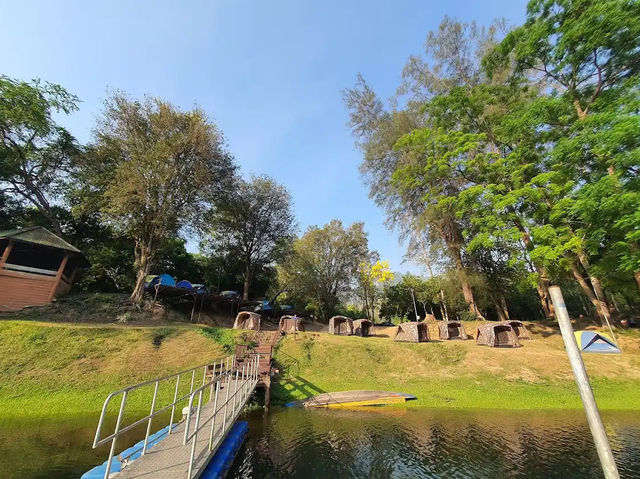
269,73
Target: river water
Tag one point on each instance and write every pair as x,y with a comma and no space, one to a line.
377,443
397,443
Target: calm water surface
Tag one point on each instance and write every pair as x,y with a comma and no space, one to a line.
383,442
398,443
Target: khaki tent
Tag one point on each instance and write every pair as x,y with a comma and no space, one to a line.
341,325
247,320
452,330
290,324
413,332
497,335
518,328
362,327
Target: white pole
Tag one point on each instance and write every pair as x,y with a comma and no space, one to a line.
584,388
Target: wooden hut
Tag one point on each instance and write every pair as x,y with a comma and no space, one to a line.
362,327
499,335
412,332
452,330
518,328
341,325
247,320
36,266
290,324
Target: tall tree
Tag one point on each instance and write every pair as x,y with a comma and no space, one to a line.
155,170
36,154
452,59
255,222
323,266
587,52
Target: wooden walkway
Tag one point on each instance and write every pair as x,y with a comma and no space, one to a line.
266,340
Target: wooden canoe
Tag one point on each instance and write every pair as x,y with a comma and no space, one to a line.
349,399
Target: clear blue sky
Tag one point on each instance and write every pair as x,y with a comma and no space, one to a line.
269,73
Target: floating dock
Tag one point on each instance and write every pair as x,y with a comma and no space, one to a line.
183,449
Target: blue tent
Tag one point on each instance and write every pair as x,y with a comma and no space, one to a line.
184,284
162,279
593,342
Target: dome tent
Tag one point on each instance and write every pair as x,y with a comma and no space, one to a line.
160,279
341,325
362,327
247,320
497,335
412,332
594,342
290,324
452,330
184,284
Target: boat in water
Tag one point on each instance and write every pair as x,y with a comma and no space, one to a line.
349,399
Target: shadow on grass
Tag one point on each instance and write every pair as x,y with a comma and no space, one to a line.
543,329
293,388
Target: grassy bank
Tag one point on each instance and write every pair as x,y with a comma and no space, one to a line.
68,368
458,374
62,368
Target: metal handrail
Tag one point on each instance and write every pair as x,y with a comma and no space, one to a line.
226,363
250,377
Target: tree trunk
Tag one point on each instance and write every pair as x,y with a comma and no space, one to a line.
503,304
499,310
467,291
247,283
577,274
143,257
596,286
543,279
443,306
637,276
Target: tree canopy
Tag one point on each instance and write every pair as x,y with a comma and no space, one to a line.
519,157
253,221
163,165
36,154
322,268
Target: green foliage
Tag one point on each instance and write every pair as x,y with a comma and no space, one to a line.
520,179
153,159
322,269
36,154
253,222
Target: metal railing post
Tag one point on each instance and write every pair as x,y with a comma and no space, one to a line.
173,408
215,412
195,434
584,387
193,378
153,405
257,371
112,451
235,393
226,402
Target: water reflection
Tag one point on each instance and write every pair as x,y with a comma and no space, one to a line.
53,448
379,443
432,444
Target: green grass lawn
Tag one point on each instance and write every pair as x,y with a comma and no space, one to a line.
67,369
49,369
453,374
